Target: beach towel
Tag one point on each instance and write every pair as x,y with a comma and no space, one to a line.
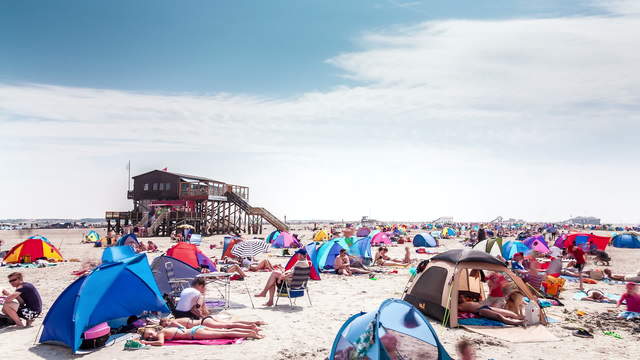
581,294
515,334
480,322
204,342
629,315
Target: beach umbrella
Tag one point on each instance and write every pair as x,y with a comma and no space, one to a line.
250,248
185,226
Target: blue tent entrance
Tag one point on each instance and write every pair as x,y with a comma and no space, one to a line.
116,289
424,239
396,327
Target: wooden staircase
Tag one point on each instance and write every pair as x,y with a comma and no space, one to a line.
262,212
151,230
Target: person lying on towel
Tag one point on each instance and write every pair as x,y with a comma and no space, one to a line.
156,335
212,323
466,304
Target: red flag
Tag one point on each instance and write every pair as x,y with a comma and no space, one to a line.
165,169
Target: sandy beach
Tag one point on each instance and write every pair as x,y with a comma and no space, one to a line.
307,332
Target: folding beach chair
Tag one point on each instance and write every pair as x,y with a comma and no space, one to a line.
296,287
195,239
177,285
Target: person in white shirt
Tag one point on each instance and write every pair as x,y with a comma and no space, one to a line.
191,304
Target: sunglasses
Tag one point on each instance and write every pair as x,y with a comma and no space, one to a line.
13,280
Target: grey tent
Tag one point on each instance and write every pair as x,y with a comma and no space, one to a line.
166,268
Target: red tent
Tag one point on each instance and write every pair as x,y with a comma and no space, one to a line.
292,261
600,242
190,254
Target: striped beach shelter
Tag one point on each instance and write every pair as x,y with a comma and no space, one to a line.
31,250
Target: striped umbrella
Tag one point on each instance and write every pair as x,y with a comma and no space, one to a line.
250,248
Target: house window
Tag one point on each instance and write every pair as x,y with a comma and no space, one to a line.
146,187
167,186
161,186
155,186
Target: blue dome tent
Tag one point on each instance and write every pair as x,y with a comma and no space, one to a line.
424,239
362,249
512,247
129,239
328,252
119,287
626,241
396,323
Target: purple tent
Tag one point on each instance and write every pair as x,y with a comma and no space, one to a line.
560,241
363,232
285,240
537,243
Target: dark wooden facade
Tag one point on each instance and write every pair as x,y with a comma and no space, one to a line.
164,200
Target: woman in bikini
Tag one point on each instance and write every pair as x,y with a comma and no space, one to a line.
381,258
157,335
211,323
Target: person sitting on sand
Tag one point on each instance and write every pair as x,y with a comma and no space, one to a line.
516,262
633,302
277,278
211,322
466,304
191,304
381,258
597,296
342,265
24,303
156,335
621,277
151,246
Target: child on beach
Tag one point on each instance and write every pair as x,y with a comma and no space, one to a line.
633,302
496,283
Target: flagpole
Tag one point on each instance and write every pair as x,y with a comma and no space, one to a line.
129,178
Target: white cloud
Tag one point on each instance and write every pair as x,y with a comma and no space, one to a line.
512,109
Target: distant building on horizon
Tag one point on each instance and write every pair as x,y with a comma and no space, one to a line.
584,220
443,220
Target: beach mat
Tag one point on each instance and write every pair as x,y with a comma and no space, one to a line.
205,342
537,333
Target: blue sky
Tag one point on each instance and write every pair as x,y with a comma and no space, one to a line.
273,47
396,109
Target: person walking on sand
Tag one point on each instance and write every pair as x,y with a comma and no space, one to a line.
28,305
579,255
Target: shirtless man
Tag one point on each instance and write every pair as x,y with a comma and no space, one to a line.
502,315
343,267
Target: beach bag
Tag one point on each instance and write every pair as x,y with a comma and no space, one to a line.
96,337
531,313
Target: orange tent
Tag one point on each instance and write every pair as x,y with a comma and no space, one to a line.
31,250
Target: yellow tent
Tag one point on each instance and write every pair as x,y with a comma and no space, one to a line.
321,236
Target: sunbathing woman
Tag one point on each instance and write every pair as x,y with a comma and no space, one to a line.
502,315
211,323
157,335
381,258
597,296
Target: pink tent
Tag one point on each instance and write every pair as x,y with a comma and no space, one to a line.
380,238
